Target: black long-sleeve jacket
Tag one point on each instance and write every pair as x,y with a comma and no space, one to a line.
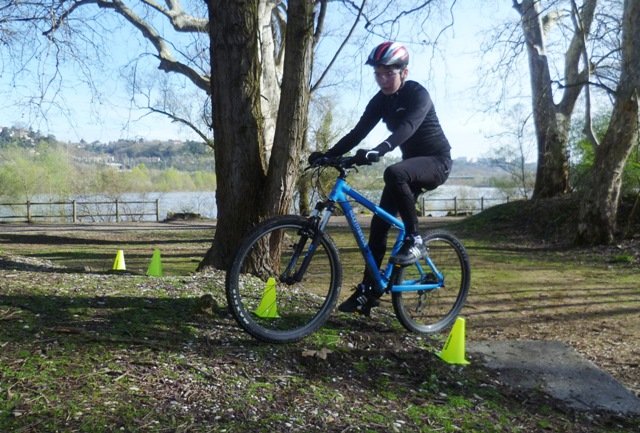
410,116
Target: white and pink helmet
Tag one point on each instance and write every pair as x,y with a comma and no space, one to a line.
389,54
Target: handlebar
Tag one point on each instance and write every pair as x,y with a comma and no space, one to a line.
340,163
337,162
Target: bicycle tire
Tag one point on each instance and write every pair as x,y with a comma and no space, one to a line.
434,310
260,298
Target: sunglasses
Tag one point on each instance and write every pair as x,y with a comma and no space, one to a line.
386,74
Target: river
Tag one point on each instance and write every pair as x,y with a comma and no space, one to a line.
203,203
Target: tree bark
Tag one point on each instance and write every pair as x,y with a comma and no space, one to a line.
599,204
238,128
291,127
254,183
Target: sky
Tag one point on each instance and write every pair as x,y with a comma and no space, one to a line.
451,76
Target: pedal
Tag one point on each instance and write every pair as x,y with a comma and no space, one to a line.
365,310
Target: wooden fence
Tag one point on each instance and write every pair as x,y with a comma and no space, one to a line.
75,211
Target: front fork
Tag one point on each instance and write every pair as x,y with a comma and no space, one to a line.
313,230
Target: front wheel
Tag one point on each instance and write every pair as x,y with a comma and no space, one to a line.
447,268
284,281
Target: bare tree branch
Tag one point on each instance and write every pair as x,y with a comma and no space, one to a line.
394,20
65,15
181,21
578,84
167,62
581,31
339,50
176,118
322,14
371,23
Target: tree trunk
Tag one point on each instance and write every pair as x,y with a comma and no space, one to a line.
552,176
250,188
293,113
238,129
599,205
271,74
552,121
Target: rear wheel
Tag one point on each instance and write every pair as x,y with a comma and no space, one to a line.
429,311
269,295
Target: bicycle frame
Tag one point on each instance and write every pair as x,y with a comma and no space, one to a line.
340,194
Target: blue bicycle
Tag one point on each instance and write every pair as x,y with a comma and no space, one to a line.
286,276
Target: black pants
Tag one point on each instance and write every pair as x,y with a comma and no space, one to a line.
403,183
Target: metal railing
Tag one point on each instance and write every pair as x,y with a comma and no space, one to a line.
455,206
75,211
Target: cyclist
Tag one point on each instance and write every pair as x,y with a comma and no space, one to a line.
408,112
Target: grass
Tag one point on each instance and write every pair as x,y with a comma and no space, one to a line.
94,248
96,351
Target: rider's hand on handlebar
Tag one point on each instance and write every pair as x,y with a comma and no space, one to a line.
315,158
366,157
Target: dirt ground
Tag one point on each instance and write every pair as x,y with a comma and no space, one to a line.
602,324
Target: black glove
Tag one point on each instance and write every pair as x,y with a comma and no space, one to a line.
315,158
366,157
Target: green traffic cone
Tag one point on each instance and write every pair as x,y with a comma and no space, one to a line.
453,351
268,309
155,267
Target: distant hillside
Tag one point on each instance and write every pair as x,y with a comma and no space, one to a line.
481,172
181,155
193,156
23,137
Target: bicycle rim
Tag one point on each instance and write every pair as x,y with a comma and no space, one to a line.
430,311
264,301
